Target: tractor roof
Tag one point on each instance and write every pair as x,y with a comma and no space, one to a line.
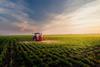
37,33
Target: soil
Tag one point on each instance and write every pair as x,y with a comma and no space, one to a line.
44,41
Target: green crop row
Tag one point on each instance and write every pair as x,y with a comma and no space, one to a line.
21,51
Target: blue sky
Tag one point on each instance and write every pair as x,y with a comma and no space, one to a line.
27,16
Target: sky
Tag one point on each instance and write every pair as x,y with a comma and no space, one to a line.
49,16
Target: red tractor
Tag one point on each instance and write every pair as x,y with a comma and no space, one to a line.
37,37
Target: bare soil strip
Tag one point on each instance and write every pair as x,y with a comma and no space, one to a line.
44,41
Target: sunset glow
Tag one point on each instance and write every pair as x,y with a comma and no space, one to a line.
69,17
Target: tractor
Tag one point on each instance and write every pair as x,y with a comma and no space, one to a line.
37,37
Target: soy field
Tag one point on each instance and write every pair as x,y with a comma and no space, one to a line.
72,50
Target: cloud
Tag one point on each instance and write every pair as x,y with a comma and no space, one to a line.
2,10
82,21
48,16
86,19
25,26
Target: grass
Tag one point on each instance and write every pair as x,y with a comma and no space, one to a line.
72,50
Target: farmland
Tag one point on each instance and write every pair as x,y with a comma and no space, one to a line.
55,51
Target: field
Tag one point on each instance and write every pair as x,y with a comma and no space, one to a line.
55,51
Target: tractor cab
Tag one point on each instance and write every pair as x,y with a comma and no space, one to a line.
37,37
